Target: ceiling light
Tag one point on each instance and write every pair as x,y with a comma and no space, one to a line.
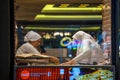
50,28
66,29
49,8
68,17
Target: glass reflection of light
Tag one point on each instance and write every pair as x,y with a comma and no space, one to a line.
67,34
61,71
21,27
16,27
75,72
61,34
74,45
47,36
56,33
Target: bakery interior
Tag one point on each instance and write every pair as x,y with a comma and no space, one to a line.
56,21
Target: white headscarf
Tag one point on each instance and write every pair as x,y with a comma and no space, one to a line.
83,55
31,36
82,35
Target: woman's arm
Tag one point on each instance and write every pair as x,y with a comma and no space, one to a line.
81,54
84,52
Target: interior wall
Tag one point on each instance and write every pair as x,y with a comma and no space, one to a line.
106,22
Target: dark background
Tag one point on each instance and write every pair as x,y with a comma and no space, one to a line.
4,40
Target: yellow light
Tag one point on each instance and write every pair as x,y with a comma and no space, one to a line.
64,5
68,17
50,28
57,28
90,28
49,8
64,39
83,5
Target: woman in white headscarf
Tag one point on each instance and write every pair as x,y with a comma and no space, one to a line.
88,51
32,40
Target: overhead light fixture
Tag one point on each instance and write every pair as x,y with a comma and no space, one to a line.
68,17
58,28
89,28
49,8
50,28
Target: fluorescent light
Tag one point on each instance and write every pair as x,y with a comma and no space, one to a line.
89,28
49,8
50,28
56,28
68,17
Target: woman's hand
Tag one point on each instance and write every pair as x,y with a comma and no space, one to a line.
104,62
71,62
54,59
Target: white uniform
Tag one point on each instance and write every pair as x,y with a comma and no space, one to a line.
87,48
26,49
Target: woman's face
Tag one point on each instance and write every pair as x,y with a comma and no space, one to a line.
36,43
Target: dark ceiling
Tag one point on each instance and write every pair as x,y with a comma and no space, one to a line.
26,10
